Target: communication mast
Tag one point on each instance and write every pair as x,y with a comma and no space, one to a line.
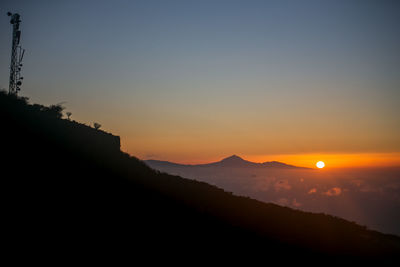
17,54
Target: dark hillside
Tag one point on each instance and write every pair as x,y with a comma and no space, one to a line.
68,187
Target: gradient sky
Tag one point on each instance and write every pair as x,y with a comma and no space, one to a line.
194,81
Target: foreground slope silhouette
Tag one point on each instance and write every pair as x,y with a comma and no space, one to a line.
69,185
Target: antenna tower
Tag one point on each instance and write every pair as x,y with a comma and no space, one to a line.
17,54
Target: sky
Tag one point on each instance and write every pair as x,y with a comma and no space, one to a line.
195,81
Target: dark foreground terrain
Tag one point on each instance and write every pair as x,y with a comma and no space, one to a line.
369,196
69,190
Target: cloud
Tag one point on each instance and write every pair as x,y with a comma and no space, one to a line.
333,192
394,186
357,182
262,184
370,189
312,191
365,187
283,201
295,203
282,185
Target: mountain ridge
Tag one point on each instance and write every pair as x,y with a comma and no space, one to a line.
233,161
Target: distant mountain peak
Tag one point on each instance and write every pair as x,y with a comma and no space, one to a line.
233,158
234,161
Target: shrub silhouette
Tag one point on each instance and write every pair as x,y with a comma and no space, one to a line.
96,125
55,110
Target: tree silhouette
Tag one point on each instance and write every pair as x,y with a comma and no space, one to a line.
68,115
96,125
54,111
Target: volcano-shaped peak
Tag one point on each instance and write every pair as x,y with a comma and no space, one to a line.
234,161
233,158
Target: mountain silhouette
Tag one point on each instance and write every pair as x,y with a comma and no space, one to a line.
233,161
69,190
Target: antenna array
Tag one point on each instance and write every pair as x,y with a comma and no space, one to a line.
17,54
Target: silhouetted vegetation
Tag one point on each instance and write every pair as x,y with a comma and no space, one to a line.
96,125
69,185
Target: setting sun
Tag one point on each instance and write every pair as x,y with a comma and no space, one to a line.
320,164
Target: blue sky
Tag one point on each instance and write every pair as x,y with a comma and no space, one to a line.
207,78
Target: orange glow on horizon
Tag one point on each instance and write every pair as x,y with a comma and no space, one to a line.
359,160
335,160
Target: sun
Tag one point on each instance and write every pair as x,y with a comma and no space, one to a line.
320,164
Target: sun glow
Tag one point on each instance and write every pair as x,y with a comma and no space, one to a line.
320,164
